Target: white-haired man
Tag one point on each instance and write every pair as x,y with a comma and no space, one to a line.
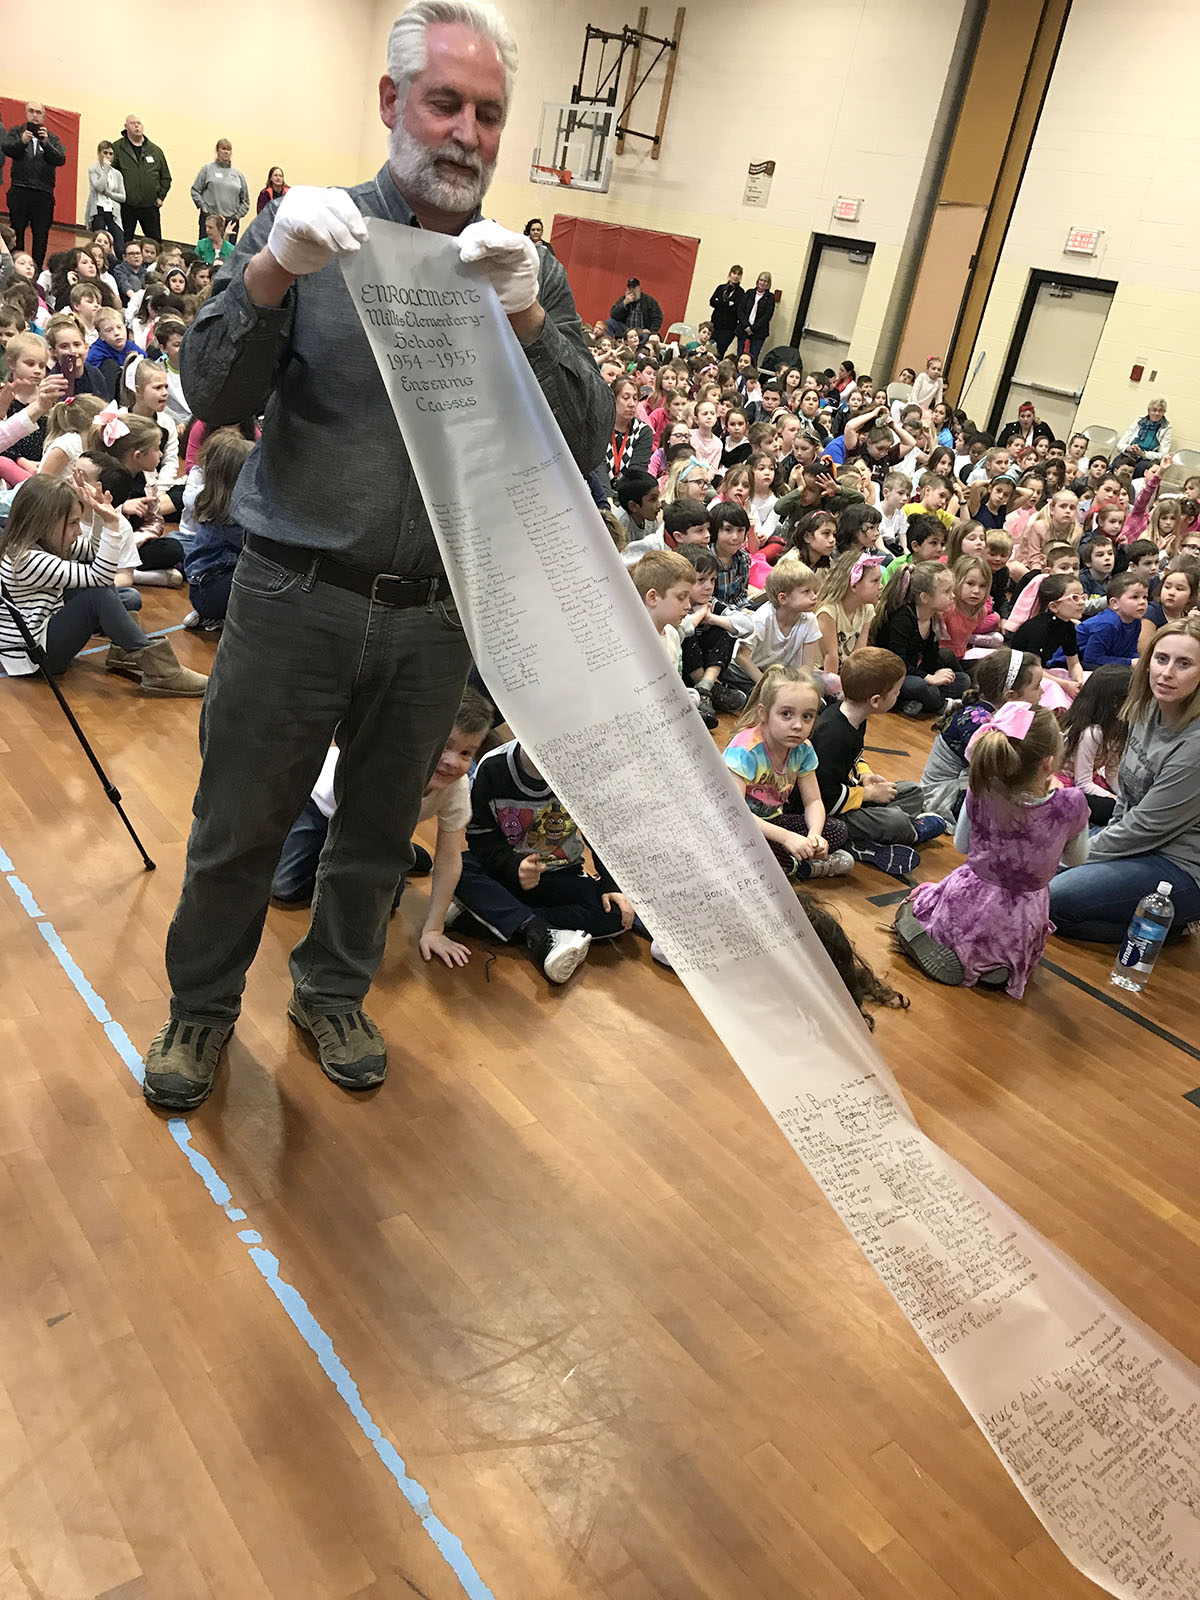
340,615
35,154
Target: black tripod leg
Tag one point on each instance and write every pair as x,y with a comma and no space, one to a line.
38,656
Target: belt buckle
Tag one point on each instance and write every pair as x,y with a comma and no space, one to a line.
383,577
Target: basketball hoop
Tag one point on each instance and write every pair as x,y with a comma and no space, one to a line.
562,174
575,147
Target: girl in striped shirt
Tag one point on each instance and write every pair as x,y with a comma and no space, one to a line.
61,581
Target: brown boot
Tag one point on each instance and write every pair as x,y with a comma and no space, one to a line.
163,675
127,662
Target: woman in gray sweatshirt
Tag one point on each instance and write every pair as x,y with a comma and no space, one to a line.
220,190
1154,836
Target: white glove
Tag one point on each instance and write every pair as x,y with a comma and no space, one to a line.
510,259
312,226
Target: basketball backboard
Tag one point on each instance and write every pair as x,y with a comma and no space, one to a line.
575,146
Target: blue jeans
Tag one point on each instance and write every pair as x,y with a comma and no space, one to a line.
1096,901
294,663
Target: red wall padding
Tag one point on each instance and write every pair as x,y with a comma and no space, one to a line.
601,256
65,126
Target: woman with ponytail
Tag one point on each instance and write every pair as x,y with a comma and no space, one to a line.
988,921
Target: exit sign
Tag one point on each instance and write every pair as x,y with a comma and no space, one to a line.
846,210
1082,241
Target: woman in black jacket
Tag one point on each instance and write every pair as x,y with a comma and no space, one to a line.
754,318
726,302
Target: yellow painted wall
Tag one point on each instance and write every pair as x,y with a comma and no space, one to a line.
731,106
1127,163
283,81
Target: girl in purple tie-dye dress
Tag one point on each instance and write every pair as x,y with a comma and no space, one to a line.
989,919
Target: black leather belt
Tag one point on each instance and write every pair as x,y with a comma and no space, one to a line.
384,588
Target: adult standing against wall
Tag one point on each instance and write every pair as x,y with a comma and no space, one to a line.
220,190
35,154
1154,835
340,615
726,303
147,180
106,194
754,319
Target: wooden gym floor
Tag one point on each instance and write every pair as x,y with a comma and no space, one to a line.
567,1264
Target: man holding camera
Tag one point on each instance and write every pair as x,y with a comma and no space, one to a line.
36,155
340,615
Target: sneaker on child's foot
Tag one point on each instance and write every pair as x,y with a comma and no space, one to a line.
192,620
930,826
897,860
911,708
659,954
213,625
725,698
557,951
464,922
835,865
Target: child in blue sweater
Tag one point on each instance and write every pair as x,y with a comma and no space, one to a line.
213,540
1111,636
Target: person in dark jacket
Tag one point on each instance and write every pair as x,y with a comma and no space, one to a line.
754,318
147,180
36,155
635,310
726,302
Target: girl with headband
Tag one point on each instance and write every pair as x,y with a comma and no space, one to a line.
988,921
1003,676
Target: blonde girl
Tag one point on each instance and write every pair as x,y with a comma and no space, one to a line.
66,429
773,765
988,921
150,386
970,623
706,446
61,580
846,604
687,479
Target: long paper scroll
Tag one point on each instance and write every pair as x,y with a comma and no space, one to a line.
1095,1418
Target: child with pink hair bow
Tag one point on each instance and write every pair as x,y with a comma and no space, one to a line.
987,922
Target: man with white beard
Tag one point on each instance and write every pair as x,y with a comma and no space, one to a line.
340,615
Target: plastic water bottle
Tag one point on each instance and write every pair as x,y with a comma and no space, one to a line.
1143,939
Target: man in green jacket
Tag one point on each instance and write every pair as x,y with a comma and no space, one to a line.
147,180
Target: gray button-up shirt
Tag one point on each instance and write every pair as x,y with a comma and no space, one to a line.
331,472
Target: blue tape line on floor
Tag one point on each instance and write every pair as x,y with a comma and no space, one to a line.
95,649
290,1299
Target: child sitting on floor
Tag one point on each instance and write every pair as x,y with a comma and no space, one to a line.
61,581
447,797
664,579
1094,735
1097,557
884,820
785,632
774,767
1112,636
1060,559
997,551
926,542
212,554
970,623
710,633
1003,676
913,602
846,604
1052,628
987,922
523,878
